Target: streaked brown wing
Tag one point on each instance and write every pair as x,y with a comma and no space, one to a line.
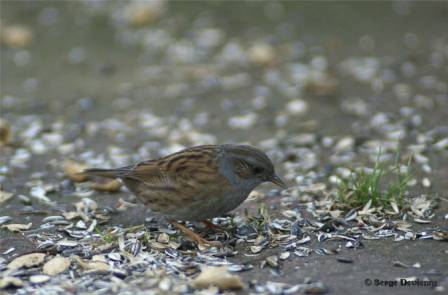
180,185
198,176
151,185
152,175
188,172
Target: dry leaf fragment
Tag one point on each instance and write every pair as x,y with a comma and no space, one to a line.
85,205
403,226
158,246
440,235
141,14
256,249
272,261
16,227
219,277
16,36
10,282
28,260
5,133
108,186
256,195
98,258
5,196
72,170
92,265
72,215
56,265
123,205
323,87
105,247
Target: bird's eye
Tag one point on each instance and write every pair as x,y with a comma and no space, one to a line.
257,170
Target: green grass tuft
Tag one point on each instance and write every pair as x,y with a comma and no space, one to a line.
362,187
261,220
109,237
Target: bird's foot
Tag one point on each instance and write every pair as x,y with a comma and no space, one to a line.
210,225
200,241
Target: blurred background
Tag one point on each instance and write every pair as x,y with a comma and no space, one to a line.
110,82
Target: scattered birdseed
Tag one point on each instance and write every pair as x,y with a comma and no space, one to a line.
344,260
272,92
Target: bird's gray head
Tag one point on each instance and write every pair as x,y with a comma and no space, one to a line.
250,165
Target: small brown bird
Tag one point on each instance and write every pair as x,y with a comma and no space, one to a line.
196,183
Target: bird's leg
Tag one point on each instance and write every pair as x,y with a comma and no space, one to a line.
195,237
210,225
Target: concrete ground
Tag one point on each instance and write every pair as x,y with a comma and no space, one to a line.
333,30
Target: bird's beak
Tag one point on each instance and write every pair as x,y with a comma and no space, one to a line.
277,180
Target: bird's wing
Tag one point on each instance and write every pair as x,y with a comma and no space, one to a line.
187,175
152,175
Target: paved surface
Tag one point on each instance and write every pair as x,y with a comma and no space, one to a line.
61,85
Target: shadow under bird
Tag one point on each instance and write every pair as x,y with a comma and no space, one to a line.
197,183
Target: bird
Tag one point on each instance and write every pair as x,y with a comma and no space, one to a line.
196,183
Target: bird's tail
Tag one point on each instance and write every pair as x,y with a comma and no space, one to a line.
107,173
